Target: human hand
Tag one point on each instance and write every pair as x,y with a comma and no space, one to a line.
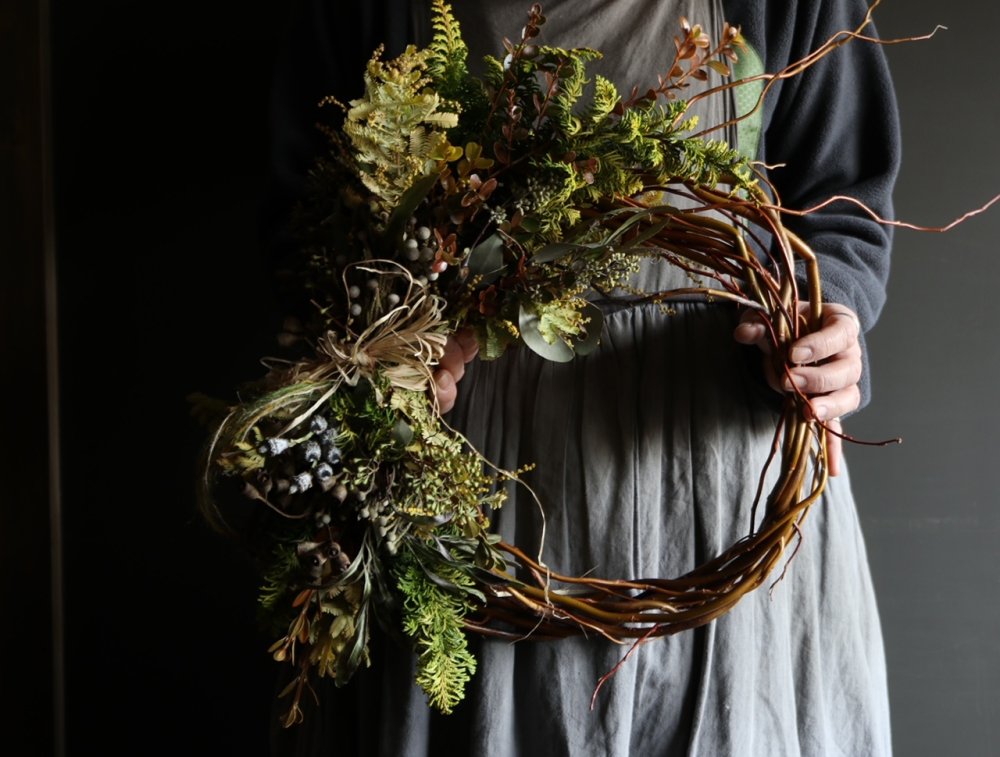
460,348
827,368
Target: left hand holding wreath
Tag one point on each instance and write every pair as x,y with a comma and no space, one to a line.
827,368
460,349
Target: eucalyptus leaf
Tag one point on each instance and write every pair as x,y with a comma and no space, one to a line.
647,234
560,351
530,224
452,586
486,259
554,251
441,582
595,327
528,322
407,205
475,593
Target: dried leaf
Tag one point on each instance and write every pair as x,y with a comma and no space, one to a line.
719,67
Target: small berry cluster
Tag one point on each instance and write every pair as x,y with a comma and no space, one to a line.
312,460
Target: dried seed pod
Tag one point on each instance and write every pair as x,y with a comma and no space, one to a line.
274,446
311,452
302,481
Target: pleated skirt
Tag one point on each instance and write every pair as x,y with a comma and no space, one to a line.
647,454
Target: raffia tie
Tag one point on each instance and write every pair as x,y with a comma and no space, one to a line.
403,345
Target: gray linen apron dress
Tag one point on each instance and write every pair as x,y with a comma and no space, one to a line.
648,453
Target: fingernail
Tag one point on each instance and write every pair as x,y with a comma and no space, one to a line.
796,380
748,333
821,412
801,354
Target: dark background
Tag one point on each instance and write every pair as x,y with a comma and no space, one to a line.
930,508
159,124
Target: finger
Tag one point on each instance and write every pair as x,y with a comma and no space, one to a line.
453,360
838,333
835,404
446,390
751,330
834,447
466,339
831,376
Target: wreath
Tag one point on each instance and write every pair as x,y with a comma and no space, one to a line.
497,204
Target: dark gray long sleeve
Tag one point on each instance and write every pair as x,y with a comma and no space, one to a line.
836,131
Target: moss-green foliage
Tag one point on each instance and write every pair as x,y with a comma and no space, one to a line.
445,478
432,617
561,319
571,68
397,129
593,147
338,637
494,337
447,66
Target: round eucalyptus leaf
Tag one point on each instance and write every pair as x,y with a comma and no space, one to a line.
486,259
595,327
557,352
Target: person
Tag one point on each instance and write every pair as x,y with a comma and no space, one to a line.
647,448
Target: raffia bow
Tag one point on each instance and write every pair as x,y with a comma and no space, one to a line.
403,345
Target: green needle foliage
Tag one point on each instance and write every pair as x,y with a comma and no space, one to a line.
432,617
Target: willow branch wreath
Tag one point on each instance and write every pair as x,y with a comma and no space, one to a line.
495,204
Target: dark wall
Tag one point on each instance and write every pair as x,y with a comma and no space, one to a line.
160,150
160,129
931,506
